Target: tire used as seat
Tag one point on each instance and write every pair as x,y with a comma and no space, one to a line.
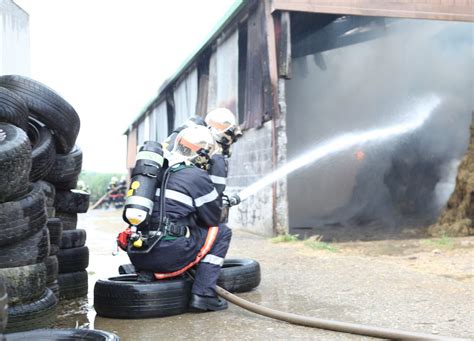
236,275
124,297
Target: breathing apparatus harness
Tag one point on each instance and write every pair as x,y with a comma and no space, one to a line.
151,172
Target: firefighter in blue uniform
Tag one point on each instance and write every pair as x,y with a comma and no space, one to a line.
225,130
192,210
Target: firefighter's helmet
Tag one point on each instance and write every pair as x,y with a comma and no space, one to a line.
223,126
194,144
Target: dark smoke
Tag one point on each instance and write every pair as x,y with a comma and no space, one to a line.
368,74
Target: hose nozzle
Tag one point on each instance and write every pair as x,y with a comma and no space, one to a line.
234,200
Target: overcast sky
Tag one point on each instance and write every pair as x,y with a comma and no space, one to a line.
109,57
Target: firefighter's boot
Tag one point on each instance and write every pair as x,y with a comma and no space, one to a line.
204,303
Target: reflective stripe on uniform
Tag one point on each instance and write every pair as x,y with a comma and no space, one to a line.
206,198
177,196
219,180
211,259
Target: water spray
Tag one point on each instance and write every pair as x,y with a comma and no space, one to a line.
420,112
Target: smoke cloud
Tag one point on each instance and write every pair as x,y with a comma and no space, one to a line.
367,75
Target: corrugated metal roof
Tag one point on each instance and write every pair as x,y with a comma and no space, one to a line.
231,13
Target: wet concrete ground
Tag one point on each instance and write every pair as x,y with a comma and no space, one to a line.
420,286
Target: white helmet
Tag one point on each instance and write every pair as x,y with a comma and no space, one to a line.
223,125
194,144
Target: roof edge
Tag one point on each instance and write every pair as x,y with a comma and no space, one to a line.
230,15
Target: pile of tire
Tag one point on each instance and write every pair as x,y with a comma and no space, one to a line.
38,159
73,255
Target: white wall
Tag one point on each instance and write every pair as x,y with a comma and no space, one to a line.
14,39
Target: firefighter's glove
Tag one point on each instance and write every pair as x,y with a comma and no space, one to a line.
123,239
229,201
228,138
226,151
225,200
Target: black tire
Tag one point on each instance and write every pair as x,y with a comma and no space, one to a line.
15,162
126,269
49,192
73,260
124,297
236,275
73,239
53,250
73,284
64,335
51,212
34,315
31,250
22,218
66,169
55,227
54,287
239,275
3,306
52,267
73,201
69,220
25,283
13,109
43,151
48,107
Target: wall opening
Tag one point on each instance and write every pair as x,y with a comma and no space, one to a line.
356,74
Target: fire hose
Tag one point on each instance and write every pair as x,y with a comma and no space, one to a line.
343,327
313,322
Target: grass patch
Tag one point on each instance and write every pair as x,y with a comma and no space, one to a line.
315,243
285,238
443,242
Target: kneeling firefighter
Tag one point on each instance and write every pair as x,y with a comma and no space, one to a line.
224,127
185,214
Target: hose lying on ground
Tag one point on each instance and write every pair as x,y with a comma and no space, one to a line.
352,328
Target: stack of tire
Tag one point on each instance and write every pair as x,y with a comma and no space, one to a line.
37,128
73,255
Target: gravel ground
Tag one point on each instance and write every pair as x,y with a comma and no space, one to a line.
415,285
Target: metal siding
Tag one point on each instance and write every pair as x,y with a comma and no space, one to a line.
161,121
141,133
185,98
152,127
